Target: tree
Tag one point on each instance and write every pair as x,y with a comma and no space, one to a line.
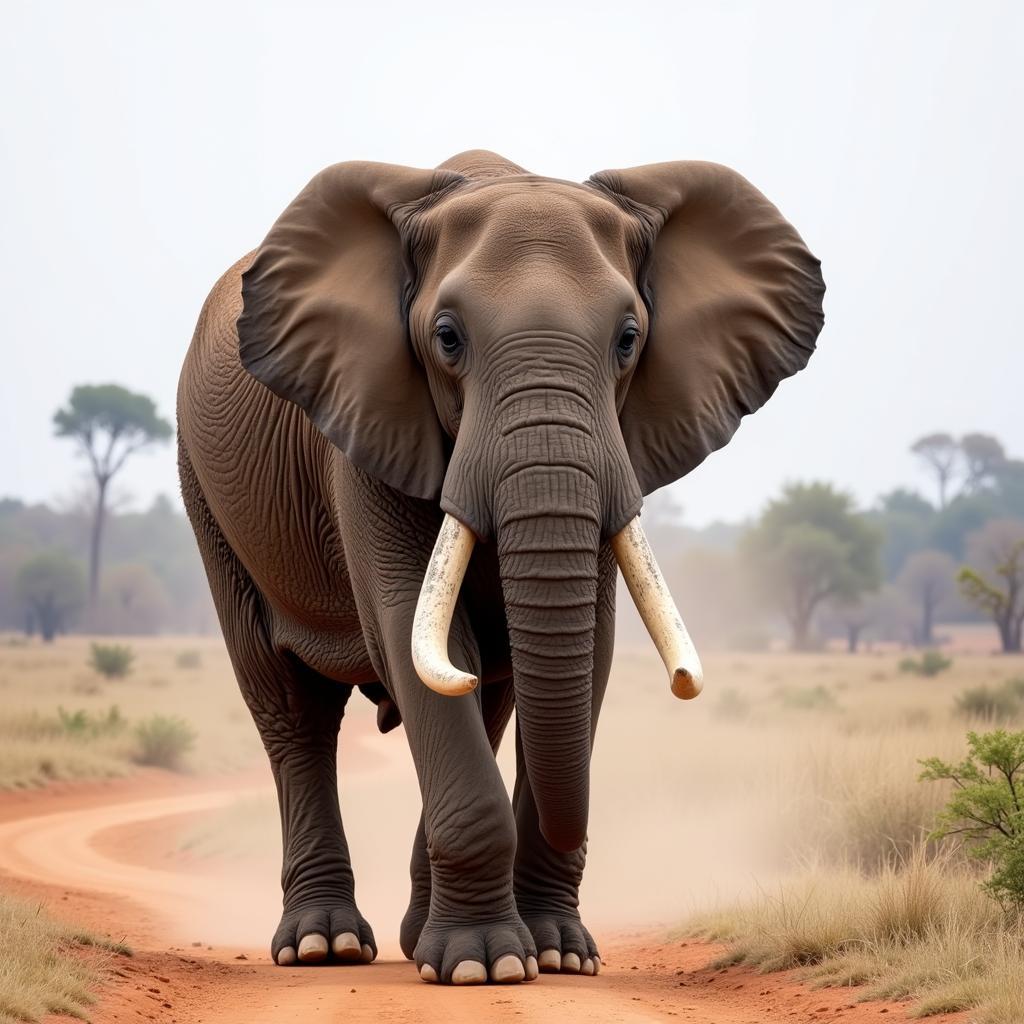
983,458
109,423
940,453
928,578
811,546
996,584
985,808
850,618
51,588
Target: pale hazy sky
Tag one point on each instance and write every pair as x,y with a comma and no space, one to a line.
145,146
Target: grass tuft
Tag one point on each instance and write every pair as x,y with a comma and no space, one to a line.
46,967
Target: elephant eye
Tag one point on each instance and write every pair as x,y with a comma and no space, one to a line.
627,342
448,341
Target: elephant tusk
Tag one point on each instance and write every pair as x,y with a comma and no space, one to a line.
654,602
435,607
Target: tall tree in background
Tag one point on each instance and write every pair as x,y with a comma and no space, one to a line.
928,578
940,453
996,582
811,546
109,423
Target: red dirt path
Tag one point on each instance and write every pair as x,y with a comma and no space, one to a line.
92,855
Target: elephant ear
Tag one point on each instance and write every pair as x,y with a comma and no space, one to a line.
322,322
735,300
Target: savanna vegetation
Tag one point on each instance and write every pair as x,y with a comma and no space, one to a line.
64,715
47,967
894,819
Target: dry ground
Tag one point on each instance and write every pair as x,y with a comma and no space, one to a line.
697,808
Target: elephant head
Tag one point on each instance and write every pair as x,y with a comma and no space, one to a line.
536,355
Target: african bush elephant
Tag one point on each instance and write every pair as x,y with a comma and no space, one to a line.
420,365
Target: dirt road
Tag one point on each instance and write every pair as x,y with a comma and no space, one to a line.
96,855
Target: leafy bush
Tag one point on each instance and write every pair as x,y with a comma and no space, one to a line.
112,660
82,725
931,663
809,698
986,809
163,741
189,659
996,704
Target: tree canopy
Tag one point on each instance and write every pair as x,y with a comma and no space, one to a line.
810,546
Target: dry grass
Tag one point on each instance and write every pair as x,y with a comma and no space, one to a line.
920,929
38,680
46,967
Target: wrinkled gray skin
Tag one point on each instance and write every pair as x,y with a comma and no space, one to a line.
479,341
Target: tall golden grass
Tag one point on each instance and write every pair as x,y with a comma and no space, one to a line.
46,967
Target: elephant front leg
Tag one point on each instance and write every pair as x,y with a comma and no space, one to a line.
547,885
472,932
497,702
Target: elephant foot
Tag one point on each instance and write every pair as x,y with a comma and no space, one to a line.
474,953
327,932
566,947
413,922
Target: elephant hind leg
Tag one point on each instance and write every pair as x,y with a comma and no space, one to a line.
298,714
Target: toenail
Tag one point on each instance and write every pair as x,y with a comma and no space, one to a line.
597,965
571,963
427,973
367,954
469,972
508,968
286,957
312,949
550,960
588,966
346,946
531,968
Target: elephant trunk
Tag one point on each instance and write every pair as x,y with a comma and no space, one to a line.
548,538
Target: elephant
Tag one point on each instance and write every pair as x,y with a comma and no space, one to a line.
416,427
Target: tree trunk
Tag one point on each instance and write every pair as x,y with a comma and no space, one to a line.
852,638
801,625
927,622
96,543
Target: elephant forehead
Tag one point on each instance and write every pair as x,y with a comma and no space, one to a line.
494,225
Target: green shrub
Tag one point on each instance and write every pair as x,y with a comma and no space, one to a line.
994,703
985,808
809,698
82,725
190,659
112,660
731,705
931,663
163,741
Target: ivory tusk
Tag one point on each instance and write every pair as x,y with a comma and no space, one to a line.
435,607
654,602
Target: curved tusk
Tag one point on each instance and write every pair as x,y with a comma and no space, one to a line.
435,607
654,602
